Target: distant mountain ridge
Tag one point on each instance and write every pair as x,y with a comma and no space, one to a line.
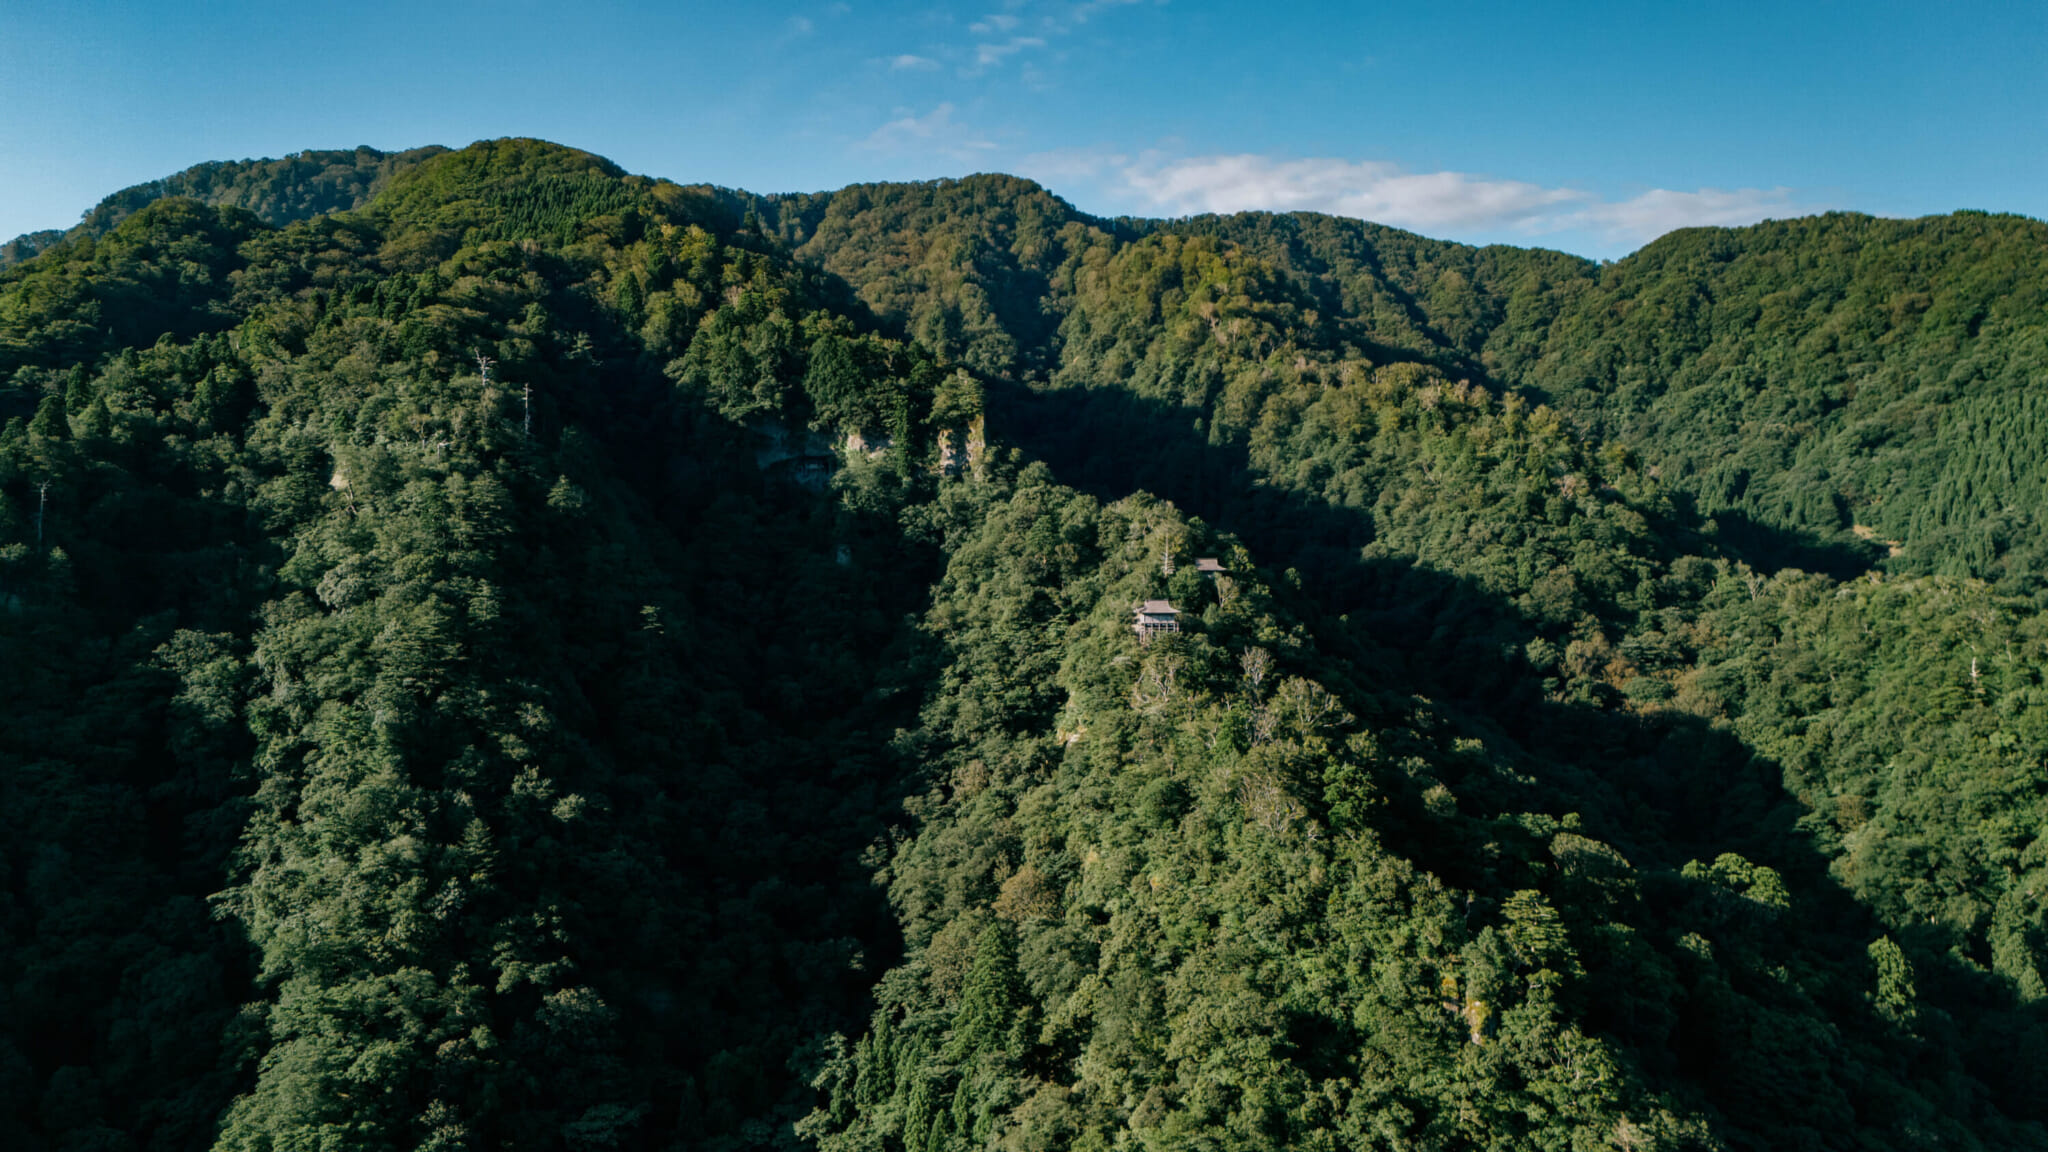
1811,382
296,187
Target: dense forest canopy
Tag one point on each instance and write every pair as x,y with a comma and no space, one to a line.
507,653
279,192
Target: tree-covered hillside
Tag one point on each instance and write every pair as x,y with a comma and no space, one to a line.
1837,392
1853,380
401,755
278,192
514,654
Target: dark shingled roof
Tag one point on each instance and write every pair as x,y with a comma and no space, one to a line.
1158,608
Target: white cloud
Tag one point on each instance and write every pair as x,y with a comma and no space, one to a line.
1030,24
934,133
801,26
909,63
1373,190
1071,165
1081,12
1661,210
987,54
1455,202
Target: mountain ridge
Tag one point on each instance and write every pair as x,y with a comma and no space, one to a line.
438,724
278,191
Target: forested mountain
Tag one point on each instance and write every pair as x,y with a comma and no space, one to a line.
279,192
1826,390
505,653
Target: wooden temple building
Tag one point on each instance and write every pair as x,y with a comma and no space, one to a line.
1156,616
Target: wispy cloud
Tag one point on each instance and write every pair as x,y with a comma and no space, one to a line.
1661,210
1028,25
801,26
909,63
1440,202
1370,189
1063,166
934,133
1081,13
987,54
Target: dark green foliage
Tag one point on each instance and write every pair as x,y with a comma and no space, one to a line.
555,207
1834,377
278,192
1481,548
720,723
962,264
165,272
533,766
28,244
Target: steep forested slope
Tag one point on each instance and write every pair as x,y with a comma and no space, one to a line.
1171,892
520,738
964,266
557,659
1306,381
1824,374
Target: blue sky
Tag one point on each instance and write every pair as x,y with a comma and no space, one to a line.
1590,127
